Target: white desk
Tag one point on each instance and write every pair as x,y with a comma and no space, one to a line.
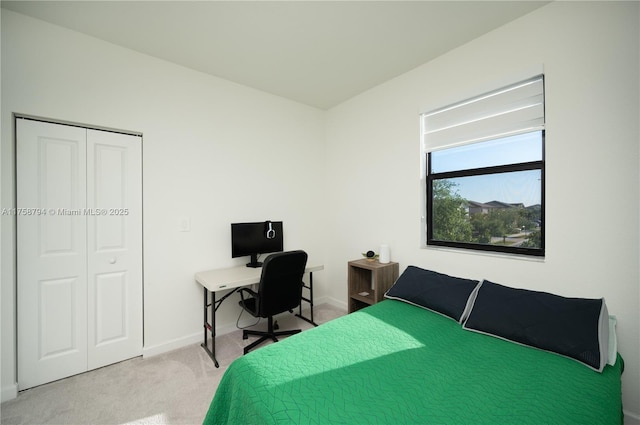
233,278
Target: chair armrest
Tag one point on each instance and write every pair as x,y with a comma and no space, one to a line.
251,292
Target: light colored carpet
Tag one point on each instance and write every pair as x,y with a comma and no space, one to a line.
172,388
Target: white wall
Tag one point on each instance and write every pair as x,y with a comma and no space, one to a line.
590,55
198,130
214,151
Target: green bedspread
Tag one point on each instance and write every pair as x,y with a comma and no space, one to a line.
394,363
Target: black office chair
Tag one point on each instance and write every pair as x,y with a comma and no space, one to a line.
280,289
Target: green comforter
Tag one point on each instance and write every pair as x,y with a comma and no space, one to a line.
394,363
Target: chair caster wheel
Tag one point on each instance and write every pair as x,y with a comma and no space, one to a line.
245,336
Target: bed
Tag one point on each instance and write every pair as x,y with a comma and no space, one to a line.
400,362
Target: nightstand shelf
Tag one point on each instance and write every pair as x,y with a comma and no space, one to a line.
371,277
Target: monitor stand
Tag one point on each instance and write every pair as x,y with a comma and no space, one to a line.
254,262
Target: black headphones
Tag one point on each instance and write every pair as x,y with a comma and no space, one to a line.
270,233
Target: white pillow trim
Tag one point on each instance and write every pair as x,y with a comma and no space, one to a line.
613,341
603,335
470,302
531,346
389,297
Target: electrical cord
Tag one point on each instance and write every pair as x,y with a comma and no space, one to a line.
248,326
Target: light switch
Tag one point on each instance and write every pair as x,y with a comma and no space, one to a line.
184,224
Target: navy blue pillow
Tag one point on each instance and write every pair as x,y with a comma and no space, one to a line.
446,295
577,328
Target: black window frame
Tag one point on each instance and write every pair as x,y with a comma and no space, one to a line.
524,166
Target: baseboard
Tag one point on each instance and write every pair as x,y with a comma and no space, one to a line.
342,305
197,338
9,393
631,418
174,344
177,343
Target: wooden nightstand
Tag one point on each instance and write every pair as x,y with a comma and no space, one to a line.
371,277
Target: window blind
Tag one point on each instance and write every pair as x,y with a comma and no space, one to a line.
511,110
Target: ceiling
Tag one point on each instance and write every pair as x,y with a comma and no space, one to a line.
319,53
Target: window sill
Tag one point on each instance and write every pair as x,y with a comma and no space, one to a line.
458,251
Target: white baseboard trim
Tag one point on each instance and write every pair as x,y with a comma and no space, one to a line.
197,338
174,344
631,418
331,301
9,393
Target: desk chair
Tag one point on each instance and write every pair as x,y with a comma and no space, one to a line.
279,290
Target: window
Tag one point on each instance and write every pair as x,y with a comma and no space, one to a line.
484,172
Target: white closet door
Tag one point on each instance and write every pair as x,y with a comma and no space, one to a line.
114,183
51,251
79,198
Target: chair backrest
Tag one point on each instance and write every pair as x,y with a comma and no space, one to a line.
280,285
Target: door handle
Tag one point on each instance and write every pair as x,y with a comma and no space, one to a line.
113,260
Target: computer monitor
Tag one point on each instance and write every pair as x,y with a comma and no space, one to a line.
252,239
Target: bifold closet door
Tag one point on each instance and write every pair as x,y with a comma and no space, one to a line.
79,250
51,252
114,247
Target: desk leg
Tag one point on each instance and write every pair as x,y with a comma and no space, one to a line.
309,300
210,328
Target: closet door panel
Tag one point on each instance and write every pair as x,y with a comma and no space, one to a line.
51,252
114,182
